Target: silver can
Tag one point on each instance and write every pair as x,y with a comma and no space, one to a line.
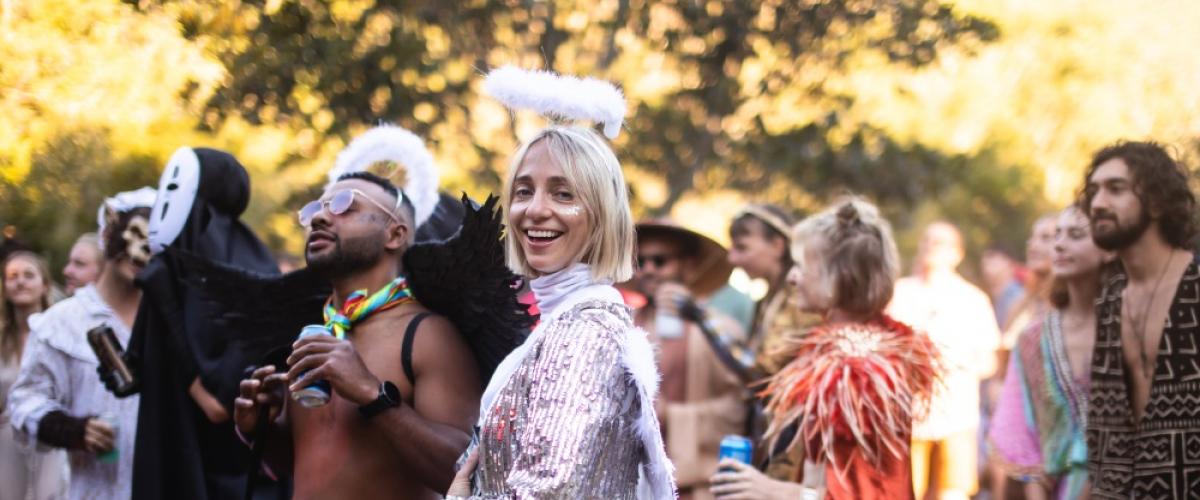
317,393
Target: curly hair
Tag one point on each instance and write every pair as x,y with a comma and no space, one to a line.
1159,182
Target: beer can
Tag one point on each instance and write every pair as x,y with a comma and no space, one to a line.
317,393
110,355
737,447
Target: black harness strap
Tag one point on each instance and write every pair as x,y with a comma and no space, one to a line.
406,349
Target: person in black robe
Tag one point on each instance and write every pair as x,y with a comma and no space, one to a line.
187,369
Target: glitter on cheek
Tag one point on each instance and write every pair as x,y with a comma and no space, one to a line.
572,211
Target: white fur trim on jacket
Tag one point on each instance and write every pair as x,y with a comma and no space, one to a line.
658,474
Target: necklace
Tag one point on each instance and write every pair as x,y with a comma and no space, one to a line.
1140,330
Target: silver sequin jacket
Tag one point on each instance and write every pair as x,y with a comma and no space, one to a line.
567,423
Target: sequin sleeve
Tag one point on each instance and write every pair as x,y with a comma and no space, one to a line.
578,399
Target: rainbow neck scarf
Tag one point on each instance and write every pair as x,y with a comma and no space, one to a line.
359,306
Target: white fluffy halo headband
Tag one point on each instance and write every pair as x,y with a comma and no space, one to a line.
388,150
558,97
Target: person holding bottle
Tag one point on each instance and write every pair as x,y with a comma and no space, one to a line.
702,395
58,400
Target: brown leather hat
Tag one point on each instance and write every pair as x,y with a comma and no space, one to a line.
712,268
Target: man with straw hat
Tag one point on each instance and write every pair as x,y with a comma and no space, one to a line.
702,398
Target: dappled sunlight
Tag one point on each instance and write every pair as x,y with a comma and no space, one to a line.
977,110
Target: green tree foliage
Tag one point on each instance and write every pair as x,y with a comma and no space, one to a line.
977,111
89,105
697,74
334,66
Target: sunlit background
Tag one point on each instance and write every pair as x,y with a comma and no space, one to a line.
983,112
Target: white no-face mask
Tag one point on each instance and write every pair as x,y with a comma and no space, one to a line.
176,193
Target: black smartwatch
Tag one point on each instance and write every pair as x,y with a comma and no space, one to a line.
389,397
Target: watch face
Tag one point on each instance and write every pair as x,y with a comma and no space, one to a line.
176,194
392,393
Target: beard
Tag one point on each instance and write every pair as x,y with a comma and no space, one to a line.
347,256
1119,236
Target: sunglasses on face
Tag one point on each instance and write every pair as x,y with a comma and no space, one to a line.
339,203
658,260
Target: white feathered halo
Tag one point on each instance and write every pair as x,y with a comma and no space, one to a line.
558,96
395,150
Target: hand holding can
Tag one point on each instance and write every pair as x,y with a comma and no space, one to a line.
737,447
317,393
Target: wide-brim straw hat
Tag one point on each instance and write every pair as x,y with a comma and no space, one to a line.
712,268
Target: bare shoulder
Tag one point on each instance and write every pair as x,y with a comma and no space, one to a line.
388,326
437,345
434,334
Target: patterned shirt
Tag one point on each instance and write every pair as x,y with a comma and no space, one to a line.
1158,457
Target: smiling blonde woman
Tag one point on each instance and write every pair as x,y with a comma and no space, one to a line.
570,413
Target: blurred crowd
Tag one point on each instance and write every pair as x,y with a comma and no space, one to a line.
996,409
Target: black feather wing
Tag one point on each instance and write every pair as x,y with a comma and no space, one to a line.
465,279
259,313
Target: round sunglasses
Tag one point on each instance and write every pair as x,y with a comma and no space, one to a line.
340,202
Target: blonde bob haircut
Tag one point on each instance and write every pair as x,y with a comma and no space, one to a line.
854,252
594,174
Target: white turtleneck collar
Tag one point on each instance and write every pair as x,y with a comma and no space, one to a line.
553,289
